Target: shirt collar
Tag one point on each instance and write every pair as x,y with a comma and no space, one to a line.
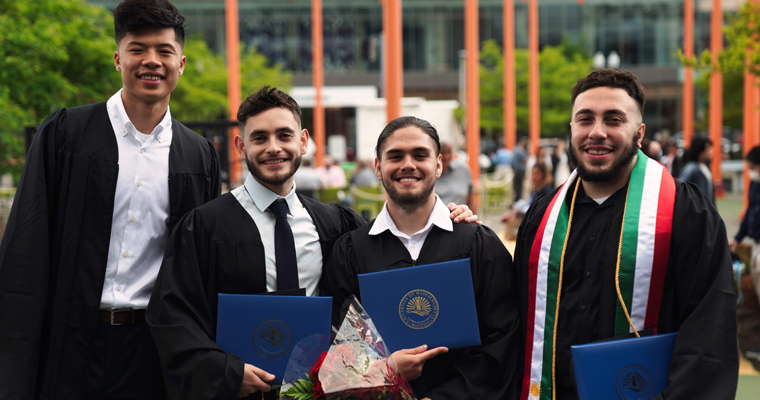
263,197
439,217
117,112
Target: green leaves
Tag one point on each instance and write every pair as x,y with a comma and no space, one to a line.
303,389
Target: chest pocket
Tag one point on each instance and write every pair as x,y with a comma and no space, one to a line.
241,267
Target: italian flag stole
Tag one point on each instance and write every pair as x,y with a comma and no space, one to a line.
643,259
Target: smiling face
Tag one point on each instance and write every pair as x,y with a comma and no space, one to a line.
408,167
272,144
150,61
606,132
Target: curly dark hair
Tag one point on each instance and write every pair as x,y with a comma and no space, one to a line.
264,99
615,78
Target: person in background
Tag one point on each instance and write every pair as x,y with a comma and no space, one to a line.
455,184
331,173
541,182
560,162
670,158
696,167
102,188
307,180
364,174
750,225
519,157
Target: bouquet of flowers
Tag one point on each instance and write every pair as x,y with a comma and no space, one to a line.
357,365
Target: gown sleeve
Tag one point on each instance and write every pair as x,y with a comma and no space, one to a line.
705,362
25,257
182,321
339,276
491,370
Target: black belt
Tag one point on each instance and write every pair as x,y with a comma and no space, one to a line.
121,317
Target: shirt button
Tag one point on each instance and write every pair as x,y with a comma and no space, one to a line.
412,245
132,219
139,183
588,273
118,288
583,308
142,150
126,254
592,240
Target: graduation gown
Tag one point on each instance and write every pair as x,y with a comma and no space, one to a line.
489,371
698,298
216,248
54,251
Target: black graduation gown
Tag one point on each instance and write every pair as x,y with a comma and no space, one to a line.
54,251
216,248
489,371
698,297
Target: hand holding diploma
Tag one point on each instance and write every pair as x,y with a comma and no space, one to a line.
254,379
410,361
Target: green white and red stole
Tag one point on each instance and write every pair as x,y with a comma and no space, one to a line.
644,255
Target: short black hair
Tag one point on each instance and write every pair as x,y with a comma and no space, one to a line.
264,99
614,78
136,15
753,156
403,122
698,145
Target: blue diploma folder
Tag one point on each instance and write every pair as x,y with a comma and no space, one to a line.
263,329
634,368
430,304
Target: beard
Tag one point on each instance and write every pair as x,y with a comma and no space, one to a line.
610,173
408,201
275,180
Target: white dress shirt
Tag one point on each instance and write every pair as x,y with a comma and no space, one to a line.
141,208
256,199
439,217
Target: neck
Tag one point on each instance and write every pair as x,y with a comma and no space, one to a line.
411,220
598,190
280,190
145,116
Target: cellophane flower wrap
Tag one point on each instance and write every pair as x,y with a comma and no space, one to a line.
358,366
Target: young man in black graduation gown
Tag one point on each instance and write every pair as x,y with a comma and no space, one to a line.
228,246
103,185
697,295
412,230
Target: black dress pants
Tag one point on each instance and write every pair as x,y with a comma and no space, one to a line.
124,364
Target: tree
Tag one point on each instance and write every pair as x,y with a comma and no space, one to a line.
53,54
201,94
742,31
560,67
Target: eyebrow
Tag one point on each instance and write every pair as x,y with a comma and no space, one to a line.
266,132
136,43
414,150
607,113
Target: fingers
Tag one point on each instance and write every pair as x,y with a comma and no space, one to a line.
474,218
254,379
432,353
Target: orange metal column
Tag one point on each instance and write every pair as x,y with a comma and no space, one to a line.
716,96
394,60
233,86
751,116
510,116
533,89
688,78
318,80
472,70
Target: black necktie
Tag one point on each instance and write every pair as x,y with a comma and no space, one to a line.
284,247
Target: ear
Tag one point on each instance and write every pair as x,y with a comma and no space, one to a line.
240,146
377,170
182,63
640,133
304,141
439,167
116,60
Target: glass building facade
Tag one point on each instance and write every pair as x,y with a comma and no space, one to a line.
646,34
